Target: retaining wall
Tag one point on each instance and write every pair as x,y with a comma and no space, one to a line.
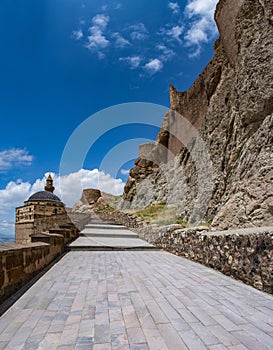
245,254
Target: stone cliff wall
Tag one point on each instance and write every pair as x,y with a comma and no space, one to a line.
225,16
230,105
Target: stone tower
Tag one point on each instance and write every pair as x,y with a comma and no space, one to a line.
49,184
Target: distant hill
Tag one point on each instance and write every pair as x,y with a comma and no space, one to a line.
5,239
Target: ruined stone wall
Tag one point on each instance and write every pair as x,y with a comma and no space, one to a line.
245,254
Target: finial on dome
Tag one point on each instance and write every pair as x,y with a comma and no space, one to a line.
49,184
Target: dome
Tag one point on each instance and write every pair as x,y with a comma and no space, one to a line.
44,196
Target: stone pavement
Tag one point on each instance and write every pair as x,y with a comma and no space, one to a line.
104,236
137,300
112,299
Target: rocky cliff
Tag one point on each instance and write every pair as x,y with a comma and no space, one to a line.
213,156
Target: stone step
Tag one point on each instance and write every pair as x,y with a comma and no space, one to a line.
109,243
105,226
110,248
108,233
108,237
100,221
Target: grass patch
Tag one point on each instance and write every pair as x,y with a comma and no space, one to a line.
151,212
160,214
105,209
206,224
181,221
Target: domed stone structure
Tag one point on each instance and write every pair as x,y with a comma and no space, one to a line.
44,196
42,212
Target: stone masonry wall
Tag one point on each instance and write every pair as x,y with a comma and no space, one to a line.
19,263
24,230
245,254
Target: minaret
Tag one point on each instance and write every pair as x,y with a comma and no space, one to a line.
49,184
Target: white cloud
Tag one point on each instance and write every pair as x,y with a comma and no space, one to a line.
114,6
198,34
139,31
77,34
175,32
117,6
100,21
125,171
202,28
6,227
101,55
13,195
85,179
14,157
17,192
120,42
193,27
174,7
133,61
153,66
172,33
201,7
97,40
167,53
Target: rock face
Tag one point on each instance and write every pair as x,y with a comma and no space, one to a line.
213,156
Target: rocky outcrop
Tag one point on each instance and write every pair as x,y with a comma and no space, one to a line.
91,203
213,155
93,198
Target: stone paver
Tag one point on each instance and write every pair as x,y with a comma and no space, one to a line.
137,300
99,236
108,242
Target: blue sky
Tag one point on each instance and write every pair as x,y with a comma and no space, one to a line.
63,61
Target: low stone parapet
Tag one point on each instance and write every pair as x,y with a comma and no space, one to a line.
245,254
21,262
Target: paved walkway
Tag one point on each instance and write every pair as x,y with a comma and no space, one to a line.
104,236
137,300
